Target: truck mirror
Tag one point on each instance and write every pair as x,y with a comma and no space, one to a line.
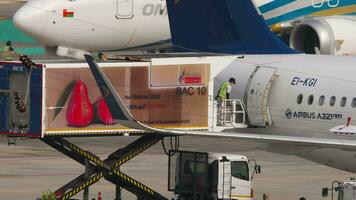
258,169
324,192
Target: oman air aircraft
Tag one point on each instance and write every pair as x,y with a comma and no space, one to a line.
313,26
296,104
316,26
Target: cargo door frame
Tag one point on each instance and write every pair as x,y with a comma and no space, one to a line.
257,93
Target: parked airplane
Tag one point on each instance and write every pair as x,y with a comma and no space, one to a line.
296,104
124,24
93,24
313,26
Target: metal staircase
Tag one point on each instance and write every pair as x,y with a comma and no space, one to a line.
231,113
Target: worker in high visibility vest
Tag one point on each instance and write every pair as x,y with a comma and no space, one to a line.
225,89
8,51
8,46
223,94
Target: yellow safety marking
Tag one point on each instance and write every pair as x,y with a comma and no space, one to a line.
240,196
88,129
90,133
114,132
116,172
134,182
131,155
123,128
87,155
84,185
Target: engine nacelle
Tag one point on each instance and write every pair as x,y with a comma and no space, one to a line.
335,36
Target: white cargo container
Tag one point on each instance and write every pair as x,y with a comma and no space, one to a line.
163,92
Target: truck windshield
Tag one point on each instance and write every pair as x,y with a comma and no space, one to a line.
239,169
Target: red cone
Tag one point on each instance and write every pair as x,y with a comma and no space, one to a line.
102,111
80,111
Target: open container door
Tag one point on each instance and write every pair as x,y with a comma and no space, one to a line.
20,100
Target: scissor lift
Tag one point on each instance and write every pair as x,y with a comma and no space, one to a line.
95,168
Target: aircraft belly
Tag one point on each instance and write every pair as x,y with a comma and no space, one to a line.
336,158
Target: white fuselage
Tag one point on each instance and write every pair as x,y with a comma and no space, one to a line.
95,25
118,24
315,78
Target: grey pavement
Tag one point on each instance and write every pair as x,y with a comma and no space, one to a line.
31,167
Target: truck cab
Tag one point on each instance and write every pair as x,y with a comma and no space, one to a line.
198,176
232,176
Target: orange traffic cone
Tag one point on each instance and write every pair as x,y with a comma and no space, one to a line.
99,196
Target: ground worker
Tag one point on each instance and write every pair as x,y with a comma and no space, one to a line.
225,89
223,94
8,46
8,51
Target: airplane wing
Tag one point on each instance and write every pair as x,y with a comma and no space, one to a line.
123,116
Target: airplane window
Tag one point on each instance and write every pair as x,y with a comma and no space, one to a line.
343,101
332,101
310,99
299,98
353,104
321,100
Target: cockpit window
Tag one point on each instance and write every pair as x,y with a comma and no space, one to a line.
239,169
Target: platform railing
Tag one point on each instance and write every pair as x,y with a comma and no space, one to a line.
231,113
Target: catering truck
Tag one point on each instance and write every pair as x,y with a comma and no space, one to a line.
162,92
198,176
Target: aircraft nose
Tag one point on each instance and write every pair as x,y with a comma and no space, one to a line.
31,17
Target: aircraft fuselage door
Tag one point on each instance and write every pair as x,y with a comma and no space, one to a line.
256,95
124,9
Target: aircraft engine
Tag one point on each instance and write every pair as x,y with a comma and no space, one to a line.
335,36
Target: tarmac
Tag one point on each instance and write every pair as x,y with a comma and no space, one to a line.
31,167
22,43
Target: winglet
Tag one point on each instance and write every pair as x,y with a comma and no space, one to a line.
109,93
221,26
116,106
